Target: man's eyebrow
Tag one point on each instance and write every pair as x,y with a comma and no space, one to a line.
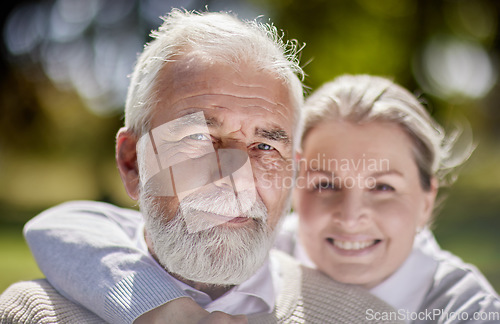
276,134
193,120
213,122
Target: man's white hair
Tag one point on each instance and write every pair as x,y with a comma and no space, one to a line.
220,37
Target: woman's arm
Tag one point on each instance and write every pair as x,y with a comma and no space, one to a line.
88,252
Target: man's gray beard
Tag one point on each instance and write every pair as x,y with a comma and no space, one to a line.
218,255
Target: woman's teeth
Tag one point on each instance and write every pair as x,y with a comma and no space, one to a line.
353,245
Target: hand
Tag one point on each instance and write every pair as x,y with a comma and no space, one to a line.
223,318
185,311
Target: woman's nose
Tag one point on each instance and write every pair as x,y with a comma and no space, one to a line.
351,209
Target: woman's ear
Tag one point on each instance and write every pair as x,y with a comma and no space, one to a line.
429,201
126,159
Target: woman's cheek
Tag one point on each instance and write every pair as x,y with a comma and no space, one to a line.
396,216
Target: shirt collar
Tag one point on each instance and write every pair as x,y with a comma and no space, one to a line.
255,295
415,275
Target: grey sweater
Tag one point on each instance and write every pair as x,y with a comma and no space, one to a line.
103,238
307,297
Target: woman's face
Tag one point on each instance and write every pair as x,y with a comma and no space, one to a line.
359,200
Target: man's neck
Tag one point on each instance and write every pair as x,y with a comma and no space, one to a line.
214,291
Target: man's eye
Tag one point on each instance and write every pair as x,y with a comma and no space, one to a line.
199,137
265,147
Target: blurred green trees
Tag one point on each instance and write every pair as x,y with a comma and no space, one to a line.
62,91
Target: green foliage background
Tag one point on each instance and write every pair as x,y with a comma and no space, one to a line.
54,149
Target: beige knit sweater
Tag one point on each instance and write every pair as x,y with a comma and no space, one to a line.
307,296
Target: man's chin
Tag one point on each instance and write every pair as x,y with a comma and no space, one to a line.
226,254
209,248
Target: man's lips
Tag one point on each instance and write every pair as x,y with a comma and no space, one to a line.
223,218
239,219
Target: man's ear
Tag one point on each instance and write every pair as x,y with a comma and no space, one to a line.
126,159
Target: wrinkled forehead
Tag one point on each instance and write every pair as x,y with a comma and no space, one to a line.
195,74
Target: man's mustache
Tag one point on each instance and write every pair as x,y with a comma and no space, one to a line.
223,202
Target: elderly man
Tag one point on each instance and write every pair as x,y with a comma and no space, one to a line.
211,122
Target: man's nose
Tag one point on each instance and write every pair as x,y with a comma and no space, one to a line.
235,167
196,172
226,168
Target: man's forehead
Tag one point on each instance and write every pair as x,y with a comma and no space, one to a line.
194,74
226,93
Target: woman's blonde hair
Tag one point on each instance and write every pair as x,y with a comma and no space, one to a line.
365,98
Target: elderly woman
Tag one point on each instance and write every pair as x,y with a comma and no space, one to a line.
371,163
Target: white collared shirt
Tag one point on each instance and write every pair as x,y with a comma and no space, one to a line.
255,295
406,288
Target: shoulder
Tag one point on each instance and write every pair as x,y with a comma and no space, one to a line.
37,301
459,287
83,213
286,240
309,296
96,207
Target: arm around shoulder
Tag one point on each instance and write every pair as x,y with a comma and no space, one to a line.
89,253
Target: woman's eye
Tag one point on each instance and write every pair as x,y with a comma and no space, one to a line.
384,187
265,147
199,137
326,185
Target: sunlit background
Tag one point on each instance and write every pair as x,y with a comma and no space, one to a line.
64,67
